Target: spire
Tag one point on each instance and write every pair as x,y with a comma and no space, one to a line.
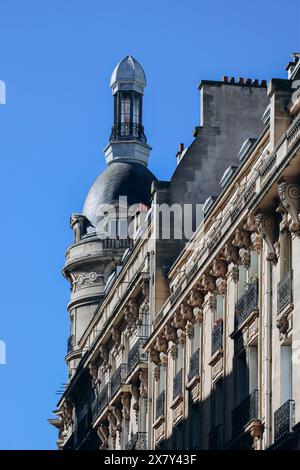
128,141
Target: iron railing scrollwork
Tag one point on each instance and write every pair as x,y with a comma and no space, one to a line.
177,384
128,130
217,337
118,378
136,354
244,412
194,365
137,442
247,303
284,420
160,405
285,291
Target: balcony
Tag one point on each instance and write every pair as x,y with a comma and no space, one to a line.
285,292
71,343
136,354
246,411
137,442
177,384
216,438
284,420
217,337
247,304
160,405
119,378
194,365
128,131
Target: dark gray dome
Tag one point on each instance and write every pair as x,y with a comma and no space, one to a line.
119,179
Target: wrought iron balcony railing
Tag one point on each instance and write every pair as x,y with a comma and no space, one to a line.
177,384
136,354
137,442
128,131
118,378
71,343
247,303
284,420
285,291
216,438
194,365
246,411
217,337
100,401
160,405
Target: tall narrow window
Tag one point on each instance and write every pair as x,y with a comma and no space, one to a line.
242,280
241,378
285,252
253,368
136,109
253,271
195,339
125,108
219,310
286,379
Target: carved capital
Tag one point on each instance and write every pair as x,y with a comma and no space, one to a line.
219,268
195,298
94,372
230,253
170,333
208,283
245,257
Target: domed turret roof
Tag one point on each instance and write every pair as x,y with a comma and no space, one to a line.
129,179
128,75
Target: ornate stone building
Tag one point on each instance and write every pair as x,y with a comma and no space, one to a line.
191,342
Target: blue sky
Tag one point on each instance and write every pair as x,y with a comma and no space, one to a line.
56,57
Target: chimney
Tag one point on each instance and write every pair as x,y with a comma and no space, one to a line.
180,150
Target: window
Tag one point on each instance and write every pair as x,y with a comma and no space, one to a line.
286,382
218,404
253,270
125,108
242,280
179,359
136,109
219,310
285,252
195,339
241,377
162,380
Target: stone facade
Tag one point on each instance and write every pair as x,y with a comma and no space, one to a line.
196,345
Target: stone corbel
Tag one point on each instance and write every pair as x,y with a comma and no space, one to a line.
125,400
221,285
195,298
103,434
131,314
143,376
116,338
135,393
241,239
179,322
173,350
250,224
245,257
230,253
267,226
283,325
257,433
112,427
219,268
256,241
208,283
170,333
161,345
118,415
105,366
154,356
290,198
94,372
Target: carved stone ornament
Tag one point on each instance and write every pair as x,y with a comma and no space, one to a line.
154,356
219,268
173,350
250,224
170,333
125,400
116,338
118,427
267,226
94,372
104,358
241,239
283,325
135,393
131,314
230,253
143,376
245,257
195,298
221,285
290,197
103,434
208,283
